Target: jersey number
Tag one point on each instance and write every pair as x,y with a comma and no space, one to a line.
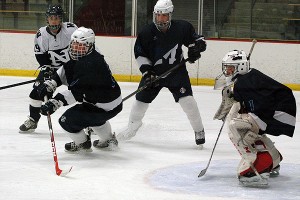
170,54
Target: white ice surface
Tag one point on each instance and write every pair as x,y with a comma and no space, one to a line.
161,162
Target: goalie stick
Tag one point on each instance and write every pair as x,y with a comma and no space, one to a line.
251,165
252,47
204,170
58,171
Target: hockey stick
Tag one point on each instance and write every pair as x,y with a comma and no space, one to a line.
156,79
252,47
59,172
204,170
17,84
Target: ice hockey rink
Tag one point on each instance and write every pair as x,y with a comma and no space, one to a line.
161,162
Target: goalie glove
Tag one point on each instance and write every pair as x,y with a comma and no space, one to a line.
227,102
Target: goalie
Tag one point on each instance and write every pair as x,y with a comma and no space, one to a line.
256,106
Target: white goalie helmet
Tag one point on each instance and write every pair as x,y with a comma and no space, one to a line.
82,43
234,62
238,61
163,7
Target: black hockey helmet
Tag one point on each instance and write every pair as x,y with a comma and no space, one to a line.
54,10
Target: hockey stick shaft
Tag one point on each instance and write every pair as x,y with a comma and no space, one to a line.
156,79
204,170
252,47
18,84
58,171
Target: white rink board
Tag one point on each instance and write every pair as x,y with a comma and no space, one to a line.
278,60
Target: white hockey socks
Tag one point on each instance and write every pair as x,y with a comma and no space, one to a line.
79,137
104,131
189,106
137,113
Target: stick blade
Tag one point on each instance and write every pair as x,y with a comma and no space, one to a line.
60,172
202,173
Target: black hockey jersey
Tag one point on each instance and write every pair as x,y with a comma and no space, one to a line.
162,51
89,80
271,101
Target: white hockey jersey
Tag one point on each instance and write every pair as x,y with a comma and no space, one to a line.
52,49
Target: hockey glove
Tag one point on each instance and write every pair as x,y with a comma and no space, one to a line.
50,106
46,89
195,49
47,71
149,77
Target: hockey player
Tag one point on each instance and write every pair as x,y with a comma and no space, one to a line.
90,83
257,106
51,51
158,48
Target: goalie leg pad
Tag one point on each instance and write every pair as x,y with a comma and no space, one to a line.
275,154
263,164
243,137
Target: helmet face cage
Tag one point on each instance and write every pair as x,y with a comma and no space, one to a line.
235,62
229,69
163,7
82,43
78,50
54,10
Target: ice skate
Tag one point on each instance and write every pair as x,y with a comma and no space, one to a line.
252,180
89,131
200,137
110,144
29,126
130,131
275,171
74,148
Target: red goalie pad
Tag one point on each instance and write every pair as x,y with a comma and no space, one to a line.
263,163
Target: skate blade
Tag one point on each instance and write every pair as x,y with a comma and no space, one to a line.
111,147
81,151
27,132
259,184
200,146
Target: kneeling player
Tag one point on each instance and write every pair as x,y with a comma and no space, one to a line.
257,106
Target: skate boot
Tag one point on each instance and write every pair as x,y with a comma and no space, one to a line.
200,137
85,146
275,171
130,131
29,126
110,144
89,131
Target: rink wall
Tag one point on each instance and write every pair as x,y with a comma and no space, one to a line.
280,61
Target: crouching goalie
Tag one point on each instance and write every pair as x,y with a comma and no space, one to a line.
255,105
